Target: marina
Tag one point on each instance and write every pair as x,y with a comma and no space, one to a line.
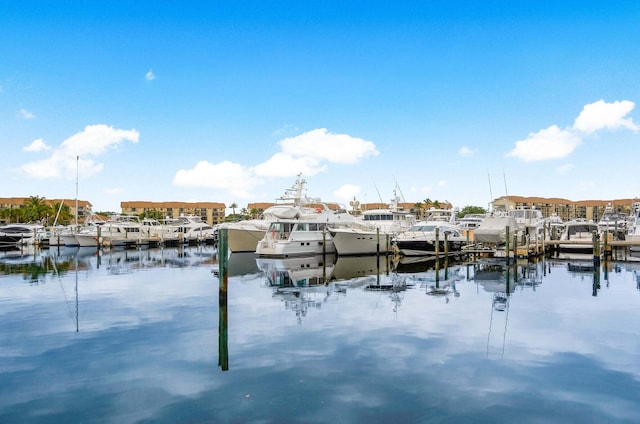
183,335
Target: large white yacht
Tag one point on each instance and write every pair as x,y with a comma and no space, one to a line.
243,236
375,233
306,235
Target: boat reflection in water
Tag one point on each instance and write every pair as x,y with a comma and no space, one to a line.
239,264
439,282
358,267
35,262
494,276
302,283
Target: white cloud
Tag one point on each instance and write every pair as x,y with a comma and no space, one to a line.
307,153
442,183
149,76
284,165
93,141
555,143
323,145
601,115
465,151
25,114
36,146
563,169
225,175
347,192
549,143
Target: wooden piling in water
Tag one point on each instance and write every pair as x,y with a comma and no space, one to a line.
596,248
223,277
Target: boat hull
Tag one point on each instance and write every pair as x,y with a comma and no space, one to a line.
354,242
242,240
306,244
427,247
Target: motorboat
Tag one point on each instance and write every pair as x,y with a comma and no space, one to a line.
304,236
469,223
530,222
119,230
613,222
495,229
577,236
22,234
421,238
186,229
554,225
244,236
375,233
633,231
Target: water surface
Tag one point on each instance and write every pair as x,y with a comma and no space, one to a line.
139,336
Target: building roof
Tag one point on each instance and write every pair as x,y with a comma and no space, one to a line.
147,204
18,201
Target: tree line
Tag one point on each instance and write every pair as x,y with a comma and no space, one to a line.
38,209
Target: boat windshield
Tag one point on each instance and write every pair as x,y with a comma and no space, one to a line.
582,228
423,228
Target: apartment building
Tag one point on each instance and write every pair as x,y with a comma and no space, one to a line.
82,212
564,208
210,212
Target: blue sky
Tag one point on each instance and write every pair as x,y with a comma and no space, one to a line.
462,101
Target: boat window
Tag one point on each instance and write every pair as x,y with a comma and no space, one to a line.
575,229
302,226
280,226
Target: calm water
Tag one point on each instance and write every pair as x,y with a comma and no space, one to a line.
138,336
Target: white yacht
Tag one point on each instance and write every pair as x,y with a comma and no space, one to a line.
633,232
121,230
375,233
555,226
420,239
578,236
12,235
530,221
471,221
243,236
304,236
613,222
186,229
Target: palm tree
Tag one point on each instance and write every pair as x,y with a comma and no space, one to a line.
418,206
254,212
35,208
233,207
436,204
65,216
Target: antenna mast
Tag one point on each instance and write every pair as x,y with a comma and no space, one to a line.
76,214
490,191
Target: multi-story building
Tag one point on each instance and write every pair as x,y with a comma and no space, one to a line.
564,208
210,212
82,212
